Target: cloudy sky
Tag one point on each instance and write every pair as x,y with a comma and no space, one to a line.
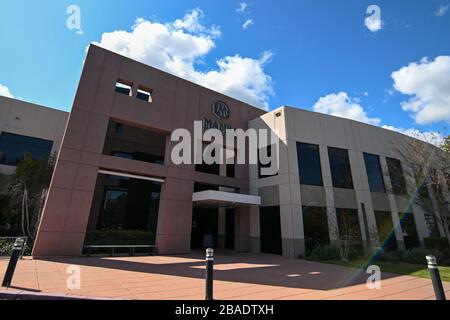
386,63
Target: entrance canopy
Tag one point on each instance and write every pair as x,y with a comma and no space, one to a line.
222,198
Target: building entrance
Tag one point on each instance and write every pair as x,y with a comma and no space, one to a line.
204,227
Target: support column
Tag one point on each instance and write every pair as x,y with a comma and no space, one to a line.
333,231
393,204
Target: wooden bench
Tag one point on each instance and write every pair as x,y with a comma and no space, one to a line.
131,247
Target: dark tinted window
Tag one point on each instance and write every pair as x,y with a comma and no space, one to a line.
14,146
386,233
309,164
230,170
422,181
315,226
270,226
340,168
121,203
348,224
432,226
409,230
396,175
208,168
374,175
134,143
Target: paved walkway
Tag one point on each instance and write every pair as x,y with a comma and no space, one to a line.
237,276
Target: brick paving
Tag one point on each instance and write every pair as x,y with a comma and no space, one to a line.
237,276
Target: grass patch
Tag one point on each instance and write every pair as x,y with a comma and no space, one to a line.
402,268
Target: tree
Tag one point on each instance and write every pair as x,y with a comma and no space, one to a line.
431,167
27,192
446,144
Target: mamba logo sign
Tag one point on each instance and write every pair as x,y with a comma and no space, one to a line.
221,110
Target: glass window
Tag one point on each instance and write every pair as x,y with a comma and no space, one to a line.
14,146
422,181
409,230
386,233
134,143
432,226
374,175
230,170
270,230
122,203
309,164
144,93
124,87
315,225
396,175
348,224
340,168
208,168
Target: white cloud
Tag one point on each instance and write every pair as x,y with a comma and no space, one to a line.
373,23
432,137
341,105
178,46
428,84
248,23
242,7
443,9
4,91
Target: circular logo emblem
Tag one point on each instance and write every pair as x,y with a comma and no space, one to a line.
221,110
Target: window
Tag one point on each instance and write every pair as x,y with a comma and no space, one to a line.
422,181
122,203
134,143
213,168
14,146
386,233
309,164
348,224
144,93
315,226
270,230
409,230
432,226
374,175
124,87
396,175
340,168
230,170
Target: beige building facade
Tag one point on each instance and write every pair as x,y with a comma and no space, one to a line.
114,175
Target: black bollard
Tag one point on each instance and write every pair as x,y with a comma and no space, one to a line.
16,253
435,277
209,273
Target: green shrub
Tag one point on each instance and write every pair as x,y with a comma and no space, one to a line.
417,255
393,256
7,245
325,252
440,244
117,237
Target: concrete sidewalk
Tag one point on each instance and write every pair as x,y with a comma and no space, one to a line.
237,276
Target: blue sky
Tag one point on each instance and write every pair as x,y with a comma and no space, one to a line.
317,55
